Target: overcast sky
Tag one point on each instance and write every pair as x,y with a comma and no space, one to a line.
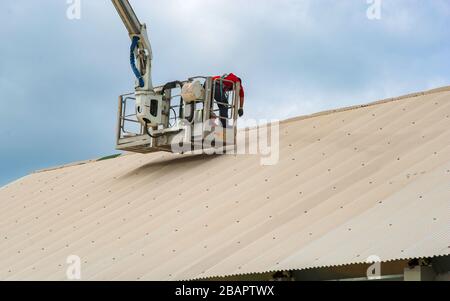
60,78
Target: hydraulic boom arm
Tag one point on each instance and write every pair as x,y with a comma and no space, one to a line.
141,51
128,16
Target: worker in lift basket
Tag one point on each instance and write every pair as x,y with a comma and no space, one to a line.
221,95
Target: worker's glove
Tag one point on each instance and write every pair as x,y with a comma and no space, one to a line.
241,112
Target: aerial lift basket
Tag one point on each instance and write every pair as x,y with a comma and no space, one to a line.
189,118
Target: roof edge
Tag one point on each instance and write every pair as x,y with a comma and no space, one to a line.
341,265
78,163
370,104
64,166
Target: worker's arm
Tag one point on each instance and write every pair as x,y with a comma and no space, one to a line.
241,104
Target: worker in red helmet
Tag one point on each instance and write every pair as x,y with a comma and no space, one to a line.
221,95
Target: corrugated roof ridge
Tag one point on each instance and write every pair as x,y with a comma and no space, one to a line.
294,119
370,104
63,166
78,163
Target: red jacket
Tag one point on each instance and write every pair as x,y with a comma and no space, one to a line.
228,86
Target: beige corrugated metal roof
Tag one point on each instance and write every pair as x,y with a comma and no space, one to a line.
351,183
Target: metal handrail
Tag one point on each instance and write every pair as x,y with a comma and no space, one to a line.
123,99
228,105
